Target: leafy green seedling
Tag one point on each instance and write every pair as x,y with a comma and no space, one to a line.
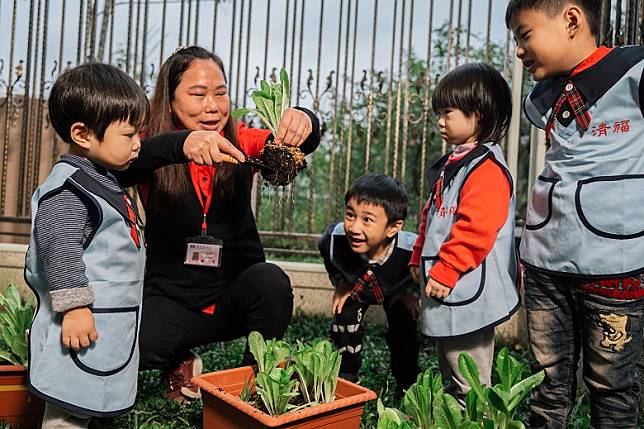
15,321
271,100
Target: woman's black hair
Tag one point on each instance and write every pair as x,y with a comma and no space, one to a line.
97,95
171,182
477,88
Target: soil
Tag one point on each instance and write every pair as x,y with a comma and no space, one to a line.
256,401
283,163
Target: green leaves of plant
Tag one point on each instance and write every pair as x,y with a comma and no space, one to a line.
391,418
501,401
268,354
15,320
316,366
423,400
276,389
489,407
270,102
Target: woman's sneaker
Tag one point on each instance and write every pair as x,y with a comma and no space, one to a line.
180,388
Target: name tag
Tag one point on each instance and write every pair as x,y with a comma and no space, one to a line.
204,251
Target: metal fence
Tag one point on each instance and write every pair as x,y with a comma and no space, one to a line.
367,67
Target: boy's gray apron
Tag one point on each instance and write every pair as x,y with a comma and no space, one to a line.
484,296
585,212
99,380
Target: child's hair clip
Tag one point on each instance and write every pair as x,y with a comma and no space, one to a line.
179,49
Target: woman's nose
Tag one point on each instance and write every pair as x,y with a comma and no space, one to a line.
211,105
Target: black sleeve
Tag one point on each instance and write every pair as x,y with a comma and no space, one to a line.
641,93
313,140
156,152
324,245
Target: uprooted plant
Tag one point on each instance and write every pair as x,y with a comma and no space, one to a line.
292,378
281,163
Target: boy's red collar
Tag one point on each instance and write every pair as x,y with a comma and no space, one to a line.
592,59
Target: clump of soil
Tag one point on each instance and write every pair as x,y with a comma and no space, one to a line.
282,164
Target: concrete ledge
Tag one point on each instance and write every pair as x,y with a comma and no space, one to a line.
312,289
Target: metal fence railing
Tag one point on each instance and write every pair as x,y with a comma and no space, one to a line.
367,67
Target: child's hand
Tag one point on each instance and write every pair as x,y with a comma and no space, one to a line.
437,290
78,328
414,270
409,300
342,292
206,147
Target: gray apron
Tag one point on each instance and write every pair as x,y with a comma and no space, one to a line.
584,215
483,297
99,380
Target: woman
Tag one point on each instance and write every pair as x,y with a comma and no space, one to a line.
206,275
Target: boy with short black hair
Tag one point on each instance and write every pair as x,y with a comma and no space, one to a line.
583,245
86,258
366,257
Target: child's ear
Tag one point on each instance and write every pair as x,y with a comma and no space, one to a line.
393,228
80,135
574,18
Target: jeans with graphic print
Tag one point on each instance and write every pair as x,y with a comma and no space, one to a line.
562,321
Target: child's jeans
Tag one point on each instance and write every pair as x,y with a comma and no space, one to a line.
58,418
562,321
402,338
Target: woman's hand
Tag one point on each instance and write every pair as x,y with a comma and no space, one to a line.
206,147
78,329
295,126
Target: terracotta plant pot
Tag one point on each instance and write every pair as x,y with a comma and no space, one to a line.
17,405
222,407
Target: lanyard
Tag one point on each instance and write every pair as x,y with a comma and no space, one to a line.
134,226
205,205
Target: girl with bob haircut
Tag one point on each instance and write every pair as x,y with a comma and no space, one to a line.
464,256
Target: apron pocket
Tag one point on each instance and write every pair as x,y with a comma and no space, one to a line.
540,210
610,206
117,336
468,287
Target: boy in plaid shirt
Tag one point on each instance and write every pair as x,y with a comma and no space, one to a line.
366,257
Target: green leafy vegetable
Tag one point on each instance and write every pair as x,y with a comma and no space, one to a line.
314,368
427,406
15,321
271,100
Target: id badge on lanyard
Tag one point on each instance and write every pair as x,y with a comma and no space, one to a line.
203,250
